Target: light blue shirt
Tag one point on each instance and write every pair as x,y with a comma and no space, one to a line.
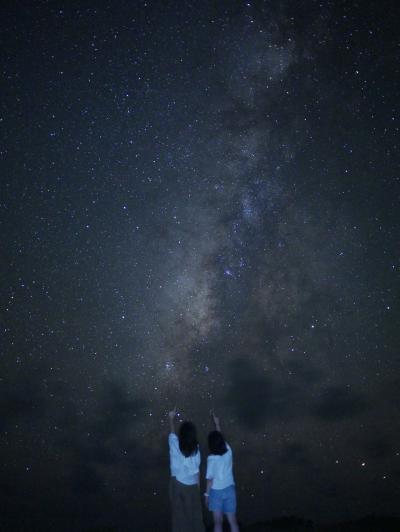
219,469
184,469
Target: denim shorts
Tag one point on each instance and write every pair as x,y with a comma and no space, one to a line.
223,500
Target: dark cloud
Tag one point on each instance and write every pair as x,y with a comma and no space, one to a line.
84,479
107,437
378,448
117,411
7,489
23,400
339,403
256,396
295,454
309,374
98,447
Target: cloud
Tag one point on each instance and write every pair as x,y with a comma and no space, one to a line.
99,442
22,401
257,397
377,448
339,403
85,479
294,454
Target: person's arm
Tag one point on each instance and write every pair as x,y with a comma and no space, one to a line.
216,421
209,479
171,416
207,493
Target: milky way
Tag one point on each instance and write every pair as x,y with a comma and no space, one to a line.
198,207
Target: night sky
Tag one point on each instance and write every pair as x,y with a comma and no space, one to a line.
199,206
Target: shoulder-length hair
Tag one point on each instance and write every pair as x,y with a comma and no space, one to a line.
216,443
187,437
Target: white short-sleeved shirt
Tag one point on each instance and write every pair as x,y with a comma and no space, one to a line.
219,469
185,469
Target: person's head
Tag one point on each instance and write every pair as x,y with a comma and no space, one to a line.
216,443
188,443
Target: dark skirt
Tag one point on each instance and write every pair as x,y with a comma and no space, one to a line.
187,515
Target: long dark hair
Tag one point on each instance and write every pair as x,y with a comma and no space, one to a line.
188,443
216,443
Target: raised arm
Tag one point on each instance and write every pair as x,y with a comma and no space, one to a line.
171,416
216,421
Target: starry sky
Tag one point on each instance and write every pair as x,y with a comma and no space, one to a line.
199,206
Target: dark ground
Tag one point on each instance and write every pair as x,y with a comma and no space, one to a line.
296,524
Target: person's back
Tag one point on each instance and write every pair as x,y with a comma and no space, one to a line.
221,491
219,467
184,484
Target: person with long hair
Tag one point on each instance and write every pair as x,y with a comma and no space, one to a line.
184,488
221,491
